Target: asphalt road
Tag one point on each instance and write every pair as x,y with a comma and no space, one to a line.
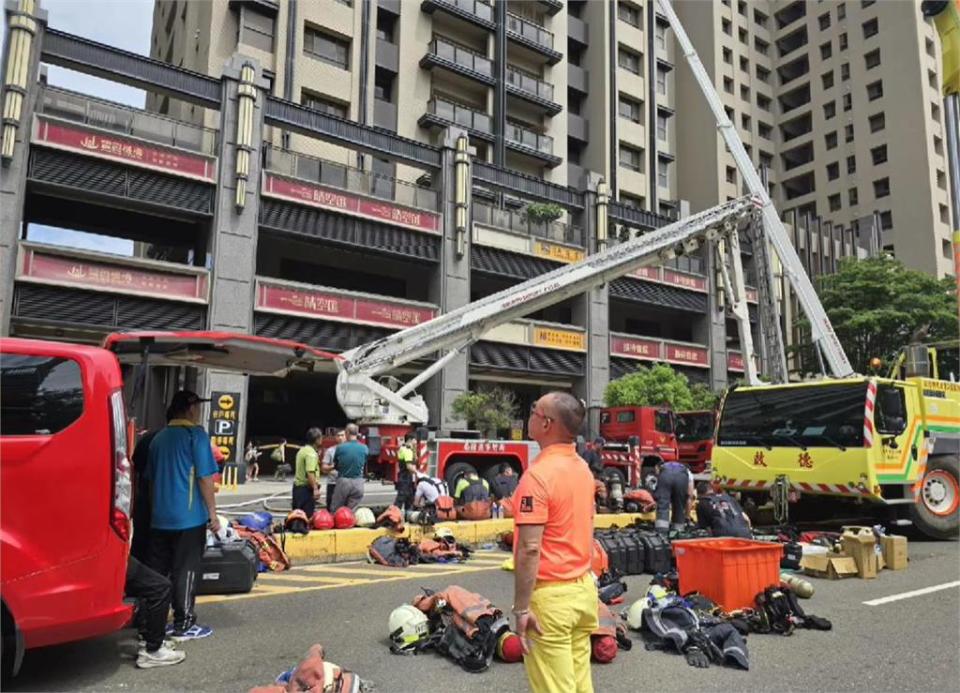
904,645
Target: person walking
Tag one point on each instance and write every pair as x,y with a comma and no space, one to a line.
181,476
251,457
349,460
306,485
328,475
555,596
153,592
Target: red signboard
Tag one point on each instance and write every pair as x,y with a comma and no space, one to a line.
329,305
687,354
635,348
735,361
102,275
694,282
124,149
648,273
346,203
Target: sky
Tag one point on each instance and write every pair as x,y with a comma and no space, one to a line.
122,23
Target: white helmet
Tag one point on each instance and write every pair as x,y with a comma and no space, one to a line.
635,612
407,627
365,517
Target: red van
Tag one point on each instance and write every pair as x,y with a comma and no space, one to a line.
65,480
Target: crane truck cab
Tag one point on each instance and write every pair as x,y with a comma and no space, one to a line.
882,444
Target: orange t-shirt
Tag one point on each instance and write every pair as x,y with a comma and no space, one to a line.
557,492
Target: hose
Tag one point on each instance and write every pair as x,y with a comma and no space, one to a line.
227,509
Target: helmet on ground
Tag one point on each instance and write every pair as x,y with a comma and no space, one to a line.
509,647
604,648
365,517
259,521
322,519
297,522
344,518
635,613
444,533
407,627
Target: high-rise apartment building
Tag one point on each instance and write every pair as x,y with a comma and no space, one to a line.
839,101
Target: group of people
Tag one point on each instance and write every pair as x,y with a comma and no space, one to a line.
336,470
676,496
174,470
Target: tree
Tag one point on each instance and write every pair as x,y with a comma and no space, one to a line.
876,305
657,385
487,411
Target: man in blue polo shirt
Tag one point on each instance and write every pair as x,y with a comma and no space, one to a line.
181,475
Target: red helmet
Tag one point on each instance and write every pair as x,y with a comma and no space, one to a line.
509,647
344,519
604,648
322,519
297,522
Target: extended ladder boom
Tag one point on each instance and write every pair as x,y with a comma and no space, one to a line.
822,331
363,398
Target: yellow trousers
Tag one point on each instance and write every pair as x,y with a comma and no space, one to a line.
559,660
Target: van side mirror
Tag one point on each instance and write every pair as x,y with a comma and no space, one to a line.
890,442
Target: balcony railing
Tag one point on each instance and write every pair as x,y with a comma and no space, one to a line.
529,30
106,115
461,115
478,8
529,138
305,167
517,222
529,83
461,56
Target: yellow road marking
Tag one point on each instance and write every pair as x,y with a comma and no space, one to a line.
339,569
284,577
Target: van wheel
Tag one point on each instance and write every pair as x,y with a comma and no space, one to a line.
457,471
936,511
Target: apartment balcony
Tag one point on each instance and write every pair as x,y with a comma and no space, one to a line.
551,6
459,60
441,113
385,115
577,30
517,222
388,56
577,78
578,127
531,144
532,36
475,12
532,89
391,6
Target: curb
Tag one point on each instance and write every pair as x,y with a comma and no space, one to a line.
338,545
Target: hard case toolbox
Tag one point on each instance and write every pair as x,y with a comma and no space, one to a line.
658,558
229,568
616,550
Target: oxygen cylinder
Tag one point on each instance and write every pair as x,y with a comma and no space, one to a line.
803,588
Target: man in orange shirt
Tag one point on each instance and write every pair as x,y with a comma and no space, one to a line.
555,596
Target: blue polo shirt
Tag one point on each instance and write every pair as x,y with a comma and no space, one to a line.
179,455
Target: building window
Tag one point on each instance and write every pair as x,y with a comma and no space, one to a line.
257,31
935,112
875,90
834,201
766,159
826,50
879,154
938,145
728,85
824,21
760,18
731,114
745,65
743,36
944,214
315,102
761,46
765,131
661,36
663,173
946,249
731,175
878,122
745,94
728,56
941,179
631,109
833,171
661,81
851,164
330,49
829,110
764,102
386,23
848,133
842,11
931,48
631,158
870,28
629,60
830,140
847,103
881,188
853,196
827,79
742,8
629,14
763,74
661,127
383,85
842,40
886,220
845,72
727,26
745,122
932,79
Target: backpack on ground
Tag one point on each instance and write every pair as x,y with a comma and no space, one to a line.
466,626
272,556
475,510
396,553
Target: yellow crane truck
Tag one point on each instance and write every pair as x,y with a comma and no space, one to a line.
890,445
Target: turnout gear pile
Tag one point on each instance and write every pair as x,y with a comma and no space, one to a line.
638,501
316,675
271,554
779,611
396,553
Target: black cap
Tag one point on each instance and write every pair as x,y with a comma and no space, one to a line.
185,399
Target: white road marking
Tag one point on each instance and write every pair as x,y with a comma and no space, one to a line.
912,593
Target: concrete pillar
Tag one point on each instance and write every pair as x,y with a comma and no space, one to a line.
13,171
450,284
592,311
716,321
234,237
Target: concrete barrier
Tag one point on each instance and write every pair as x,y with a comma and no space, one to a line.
337,545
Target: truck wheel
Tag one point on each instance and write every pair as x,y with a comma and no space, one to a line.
11,647
457,471
935,512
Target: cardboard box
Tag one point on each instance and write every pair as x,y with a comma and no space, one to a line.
861,544
832,566
894,551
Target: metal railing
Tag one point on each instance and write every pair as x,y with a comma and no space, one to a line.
448,50
518,222
529,138
106,115
460,115
529,30
530,83
310,168
477,8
